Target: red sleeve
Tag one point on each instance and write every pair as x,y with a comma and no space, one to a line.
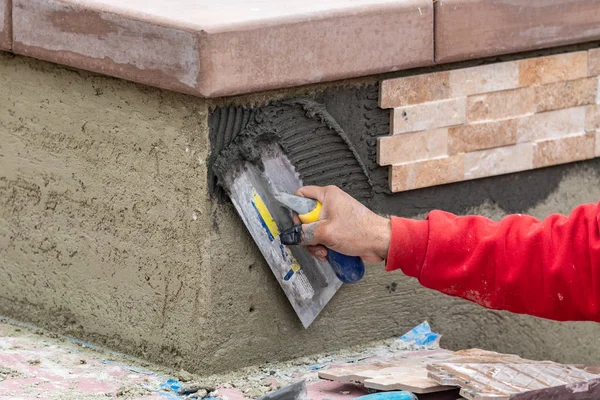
549,268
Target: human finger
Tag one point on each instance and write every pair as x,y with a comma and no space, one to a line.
312,192
318,251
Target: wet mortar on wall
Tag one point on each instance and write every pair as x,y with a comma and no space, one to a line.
331,139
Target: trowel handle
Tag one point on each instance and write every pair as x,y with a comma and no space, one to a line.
348,269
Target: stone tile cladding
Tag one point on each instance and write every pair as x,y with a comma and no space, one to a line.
491,119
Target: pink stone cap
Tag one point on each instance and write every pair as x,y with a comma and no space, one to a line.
228,47
5,25
218,48
468,29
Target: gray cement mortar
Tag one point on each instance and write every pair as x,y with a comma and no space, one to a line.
109,232
104,216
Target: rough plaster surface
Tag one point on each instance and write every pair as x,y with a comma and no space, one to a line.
103,220
108,233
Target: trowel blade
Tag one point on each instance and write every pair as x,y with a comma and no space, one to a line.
308,283
301,205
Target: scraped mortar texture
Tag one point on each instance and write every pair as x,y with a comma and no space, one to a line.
312,140
108,232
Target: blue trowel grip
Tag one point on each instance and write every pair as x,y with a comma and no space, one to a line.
348,269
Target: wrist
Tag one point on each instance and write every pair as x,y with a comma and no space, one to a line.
383,235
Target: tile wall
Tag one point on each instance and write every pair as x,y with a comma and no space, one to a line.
490,120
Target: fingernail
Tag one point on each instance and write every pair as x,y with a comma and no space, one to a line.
292,236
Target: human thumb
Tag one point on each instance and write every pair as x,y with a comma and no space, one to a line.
302,234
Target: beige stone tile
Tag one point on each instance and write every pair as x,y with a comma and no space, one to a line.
480,136
592,118
564,150
554,96
484,79
498,161
435,114
468,29
409,147
415,89
551,125
427,173
554,68
5,25
594,62
210,49
597,138
500,105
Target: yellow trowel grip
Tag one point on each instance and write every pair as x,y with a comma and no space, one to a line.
312,216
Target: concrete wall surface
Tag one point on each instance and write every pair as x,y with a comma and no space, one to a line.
108,233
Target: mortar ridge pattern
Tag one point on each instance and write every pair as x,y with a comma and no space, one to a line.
227,123
317,110
311,138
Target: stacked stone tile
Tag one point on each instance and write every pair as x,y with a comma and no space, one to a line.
491,119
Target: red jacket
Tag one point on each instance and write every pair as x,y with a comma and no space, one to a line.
549,268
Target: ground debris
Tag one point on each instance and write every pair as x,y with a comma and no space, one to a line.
249,382
184,376
191,387
257,381
8,373
129,391
256,392
200,394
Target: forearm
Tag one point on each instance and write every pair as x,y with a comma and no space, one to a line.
547,268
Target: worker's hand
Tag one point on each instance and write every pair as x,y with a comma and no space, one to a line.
345,225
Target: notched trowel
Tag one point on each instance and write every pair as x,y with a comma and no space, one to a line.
307,282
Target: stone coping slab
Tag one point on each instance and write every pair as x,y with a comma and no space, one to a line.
468,29
220,48
5,25
216,48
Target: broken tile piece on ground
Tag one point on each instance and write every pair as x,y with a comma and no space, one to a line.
482,374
